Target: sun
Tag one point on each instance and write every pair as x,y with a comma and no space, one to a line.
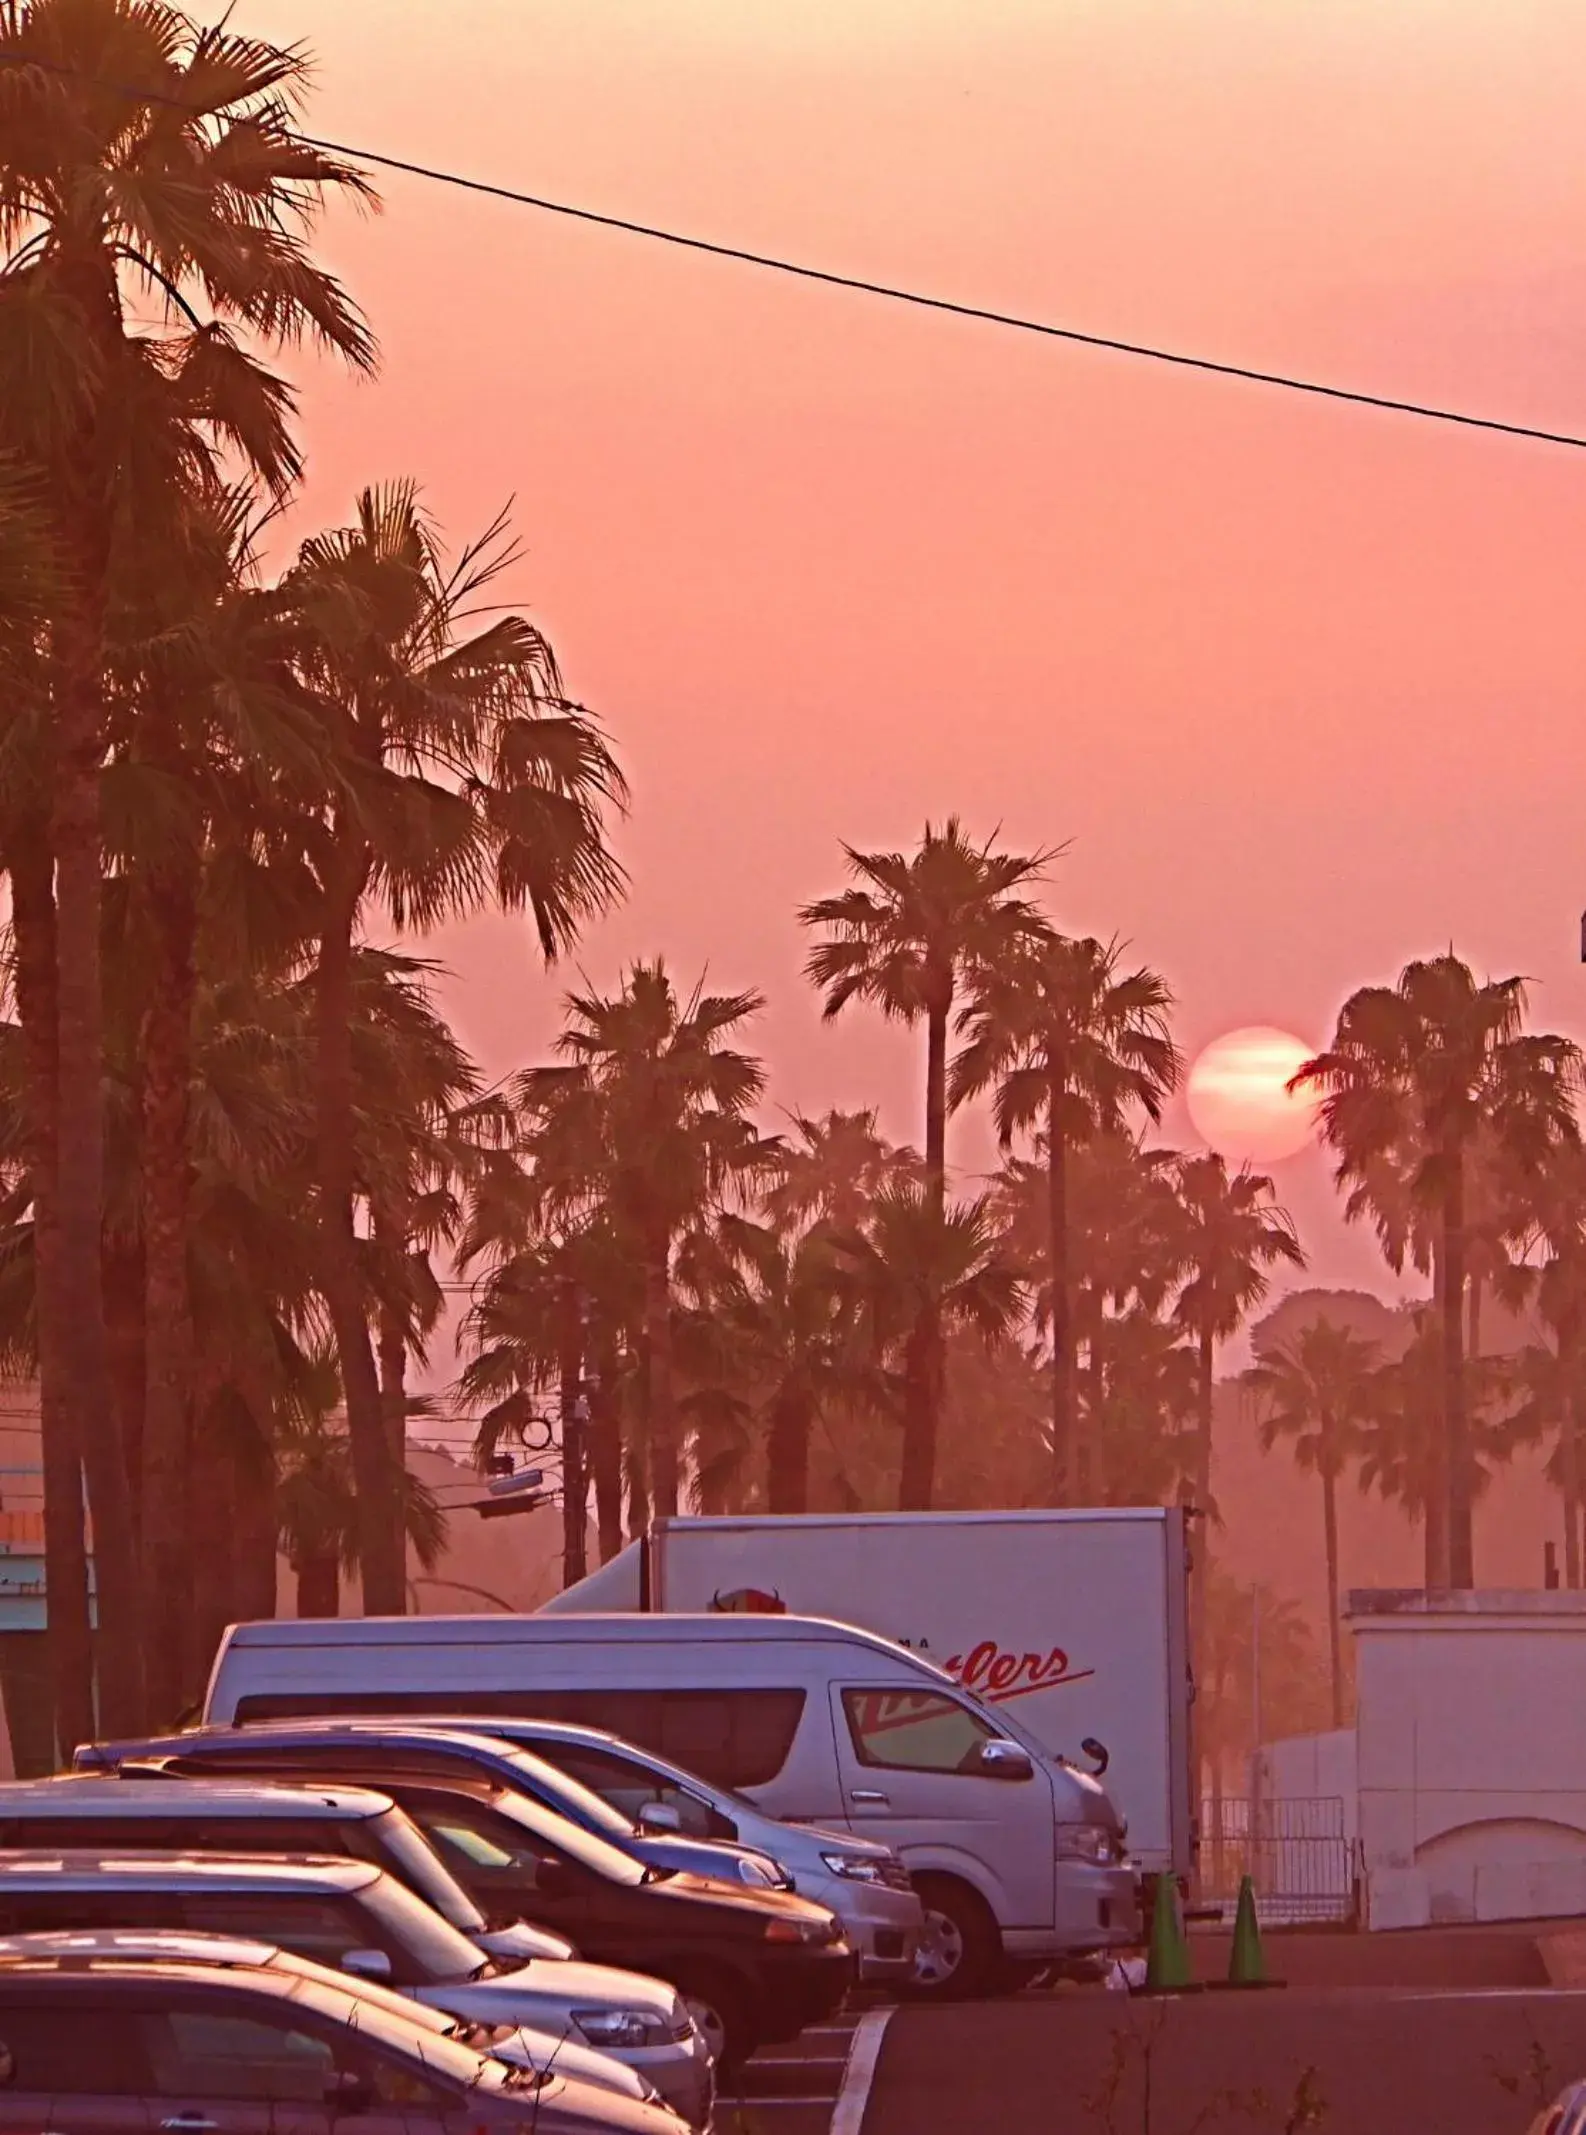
1239,1099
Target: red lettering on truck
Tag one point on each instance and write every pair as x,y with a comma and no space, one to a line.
997,1674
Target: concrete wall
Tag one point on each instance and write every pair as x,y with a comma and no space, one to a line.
1471,1755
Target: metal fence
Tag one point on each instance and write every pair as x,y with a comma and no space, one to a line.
1294,1849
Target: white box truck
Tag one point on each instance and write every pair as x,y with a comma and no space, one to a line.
1073,1623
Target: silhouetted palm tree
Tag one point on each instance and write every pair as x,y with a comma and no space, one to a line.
1073,1047
1319,1389
185,177
918,1271
1419,1078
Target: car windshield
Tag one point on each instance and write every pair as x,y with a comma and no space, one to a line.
573,1798
610,1863
437,1951
422,1870
441,2053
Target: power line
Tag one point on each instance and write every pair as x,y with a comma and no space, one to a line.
1425,411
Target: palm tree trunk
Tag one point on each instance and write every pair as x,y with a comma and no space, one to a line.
123,1282
575,1481
1569,1439
1456,1419
661,1407
1062,1484
1200,1547
1435,1511
936,1099
76,834
1335,1654
392,1363
788,1453
605,1456
382,1553
319,1585
165,1169
213,1491
922,1383
68,1634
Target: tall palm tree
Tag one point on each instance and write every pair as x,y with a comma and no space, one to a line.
463,773
908,935
650,1119
1319,1389
1421,1076
137,149
918,1272
1233,1234
905,938
1074,1047
1552,1378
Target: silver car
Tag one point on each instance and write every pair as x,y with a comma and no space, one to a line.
864,1883
357,1919
518,2047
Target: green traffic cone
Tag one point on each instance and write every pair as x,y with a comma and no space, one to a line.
1247,1966
1167,1964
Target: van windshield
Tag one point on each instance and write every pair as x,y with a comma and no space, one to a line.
421,1868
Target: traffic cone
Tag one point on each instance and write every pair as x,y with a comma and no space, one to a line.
1167,1965
1247,1966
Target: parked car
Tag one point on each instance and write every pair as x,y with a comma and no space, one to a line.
1019,1858
368,1748
1565,2116
354,1917
756,1965
109,2049
238,1816
865,1884
517,2045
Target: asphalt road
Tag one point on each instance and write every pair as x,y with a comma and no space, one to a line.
790,2090
1374,2062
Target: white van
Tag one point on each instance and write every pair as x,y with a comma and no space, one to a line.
1019,1859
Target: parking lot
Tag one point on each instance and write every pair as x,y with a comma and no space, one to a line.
819,2085
1346,2062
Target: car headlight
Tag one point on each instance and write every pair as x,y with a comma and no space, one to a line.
1086,1842
762,1873
621,2027
857,1867
822,1933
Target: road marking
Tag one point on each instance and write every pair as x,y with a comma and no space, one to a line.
849,2117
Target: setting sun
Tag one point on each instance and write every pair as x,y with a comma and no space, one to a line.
1239,1097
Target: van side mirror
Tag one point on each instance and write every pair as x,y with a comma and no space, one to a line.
367,1964
1005,1760
659,1816
348,2092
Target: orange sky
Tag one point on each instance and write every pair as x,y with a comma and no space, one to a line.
1301,685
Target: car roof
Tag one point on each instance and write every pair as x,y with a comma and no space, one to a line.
144,1945
334,1728
77,1795
91,1868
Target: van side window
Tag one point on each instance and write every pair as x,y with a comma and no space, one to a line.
733,1738
913,1731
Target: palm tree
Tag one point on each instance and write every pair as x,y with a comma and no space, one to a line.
1421,1077
462,772
787,1320
830,1171
918,1272
1552,1379
910,933
1319,1389
1073,1047
1232,1235
905,938
650,1121
185,176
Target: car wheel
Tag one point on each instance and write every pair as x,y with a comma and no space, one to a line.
720,2009
960,1949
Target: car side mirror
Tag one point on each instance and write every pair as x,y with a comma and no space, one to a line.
348,2092
367,1964
659,1816
1005,1760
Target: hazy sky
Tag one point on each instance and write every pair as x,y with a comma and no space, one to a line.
1300,686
